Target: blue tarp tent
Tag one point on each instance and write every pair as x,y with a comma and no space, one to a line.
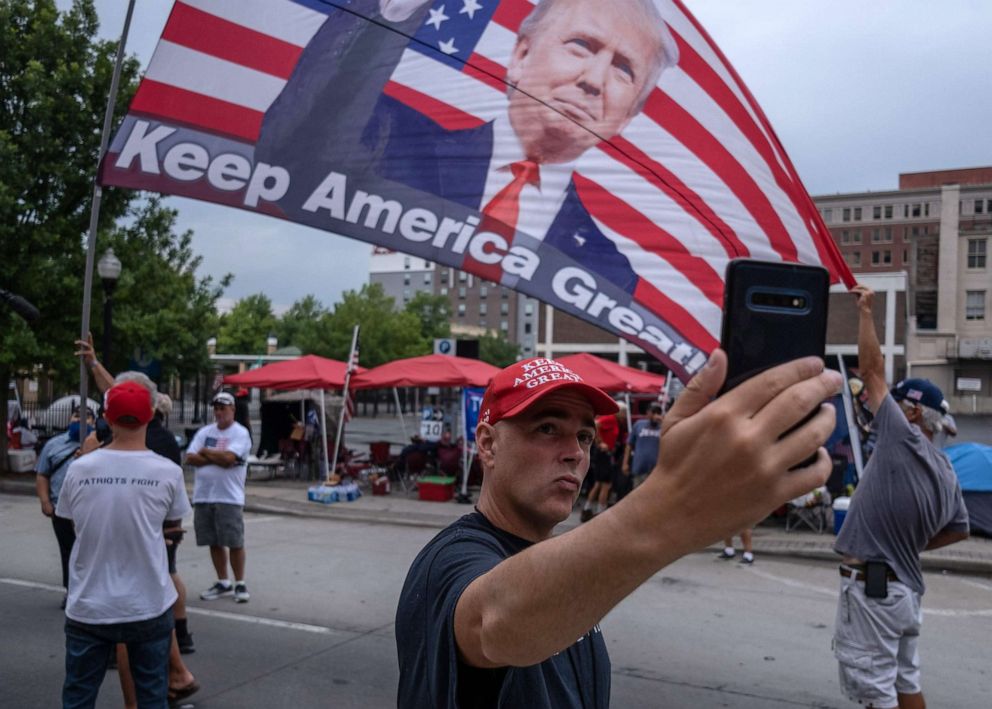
973,464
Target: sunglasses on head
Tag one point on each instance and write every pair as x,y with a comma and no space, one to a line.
219,406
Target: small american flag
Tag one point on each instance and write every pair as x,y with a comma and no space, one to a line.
349,396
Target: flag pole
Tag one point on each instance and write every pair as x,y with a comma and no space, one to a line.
108,117
344,401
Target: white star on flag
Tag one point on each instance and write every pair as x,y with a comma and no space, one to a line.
469,7
437,17
447,47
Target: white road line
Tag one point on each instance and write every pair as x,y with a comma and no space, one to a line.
252,619
941,612
31,584
258,620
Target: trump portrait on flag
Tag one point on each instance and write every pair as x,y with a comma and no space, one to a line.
576,77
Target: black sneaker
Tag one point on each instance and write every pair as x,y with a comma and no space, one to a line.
185,643
241,594
218,590
748,560
725,555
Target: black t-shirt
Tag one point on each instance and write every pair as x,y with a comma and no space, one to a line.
159,440
431,674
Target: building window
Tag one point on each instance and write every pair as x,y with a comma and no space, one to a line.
444,290
916,210
482,322
461,310
406,295
504,308
828,214
462,292
427,279
529,309
504,325
406,263
881,258
888,211
406,279
846,214
504,293
926,209
483,291
876,212
905,257
882,235
483,309
976,253
444,275
857,214
979,206
462,276
974,305
853,259
526,328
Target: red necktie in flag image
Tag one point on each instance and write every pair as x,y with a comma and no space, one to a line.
604,158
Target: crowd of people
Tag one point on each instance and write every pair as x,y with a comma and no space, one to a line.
113,487
496,610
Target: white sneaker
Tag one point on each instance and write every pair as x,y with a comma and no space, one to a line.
241,594
216,591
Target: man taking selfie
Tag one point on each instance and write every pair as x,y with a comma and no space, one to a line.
497,612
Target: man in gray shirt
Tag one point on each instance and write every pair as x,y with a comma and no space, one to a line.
908,500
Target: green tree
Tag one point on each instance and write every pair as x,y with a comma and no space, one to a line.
434,314
246,328
303,325
161,309
498,351
385,333
54,80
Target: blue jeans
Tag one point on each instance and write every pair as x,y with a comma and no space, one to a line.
88,648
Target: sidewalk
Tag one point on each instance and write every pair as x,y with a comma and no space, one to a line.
289,497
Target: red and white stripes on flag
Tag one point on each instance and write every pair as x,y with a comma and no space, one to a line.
696,179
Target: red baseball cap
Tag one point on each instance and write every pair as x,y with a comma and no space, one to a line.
128,404
522,384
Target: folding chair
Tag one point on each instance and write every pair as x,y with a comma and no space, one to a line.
811,510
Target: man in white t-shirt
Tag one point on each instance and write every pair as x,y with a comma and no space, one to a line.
219,453
118,498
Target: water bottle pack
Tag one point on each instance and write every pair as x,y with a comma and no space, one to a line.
329,494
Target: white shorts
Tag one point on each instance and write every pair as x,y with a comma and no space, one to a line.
875,643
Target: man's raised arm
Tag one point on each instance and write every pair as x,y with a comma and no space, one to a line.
870,361
722,468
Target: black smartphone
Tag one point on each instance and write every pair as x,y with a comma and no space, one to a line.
876,579
773,313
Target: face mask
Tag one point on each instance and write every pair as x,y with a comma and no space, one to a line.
74,431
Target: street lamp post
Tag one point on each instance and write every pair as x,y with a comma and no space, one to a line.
109,268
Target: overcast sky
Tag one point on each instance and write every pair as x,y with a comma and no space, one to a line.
856,91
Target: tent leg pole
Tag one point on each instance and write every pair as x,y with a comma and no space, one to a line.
399,412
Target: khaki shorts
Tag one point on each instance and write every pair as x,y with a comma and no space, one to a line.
219,525
875,643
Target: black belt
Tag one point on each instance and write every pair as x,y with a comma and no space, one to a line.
858,573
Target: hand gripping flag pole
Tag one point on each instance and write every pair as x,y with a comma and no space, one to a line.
352,364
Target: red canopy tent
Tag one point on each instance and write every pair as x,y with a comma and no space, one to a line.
308,372
429,370
613,377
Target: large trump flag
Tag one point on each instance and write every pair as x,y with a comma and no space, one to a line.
603,157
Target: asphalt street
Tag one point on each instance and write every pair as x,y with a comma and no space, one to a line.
319,628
